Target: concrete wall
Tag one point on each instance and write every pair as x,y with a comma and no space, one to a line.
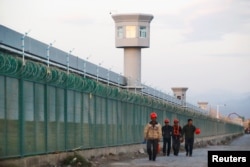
12,39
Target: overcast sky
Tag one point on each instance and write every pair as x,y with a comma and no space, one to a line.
200,44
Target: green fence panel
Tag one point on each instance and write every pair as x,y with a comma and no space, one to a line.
11,123
60,119
12,116
78,120
92,121
51,120
3,120
70,126
29,144
39,110
45,110
86,126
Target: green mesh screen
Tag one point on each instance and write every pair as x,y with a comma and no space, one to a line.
46,110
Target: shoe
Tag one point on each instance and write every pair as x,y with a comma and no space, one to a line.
164,154
168,155
186,154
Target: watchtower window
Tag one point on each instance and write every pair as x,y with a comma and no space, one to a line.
143,32
130,31
120,32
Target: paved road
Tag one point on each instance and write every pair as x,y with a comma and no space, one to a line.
199,158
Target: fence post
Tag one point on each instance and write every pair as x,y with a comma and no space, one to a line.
65,117
107,120
21,117
46,116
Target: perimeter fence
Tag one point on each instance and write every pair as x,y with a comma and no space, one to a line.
45,110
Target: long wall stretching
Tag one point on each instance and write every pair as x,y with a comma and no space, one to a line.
45,110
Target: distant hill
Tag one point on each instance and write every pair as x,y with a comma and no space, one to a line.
238,103
240,106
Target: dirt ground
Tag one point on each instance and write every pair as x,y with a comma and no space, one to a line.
105,160
128,157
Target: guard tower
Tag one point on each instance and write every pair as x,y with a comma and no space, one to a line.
203,105
180,93
132,32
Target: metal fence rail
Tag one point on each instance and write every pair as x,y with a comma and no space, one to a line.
45,110
31,48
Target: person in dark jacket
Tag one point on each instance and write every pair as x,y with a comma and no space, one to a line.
166,134
188,131
176,137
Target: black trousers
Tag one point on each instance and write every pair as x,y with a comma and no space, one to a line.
152,144
189,142
166,141
176,145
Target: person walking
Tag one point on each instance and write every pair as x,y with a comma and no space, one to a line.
166,134
153,134
176,137
188,132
